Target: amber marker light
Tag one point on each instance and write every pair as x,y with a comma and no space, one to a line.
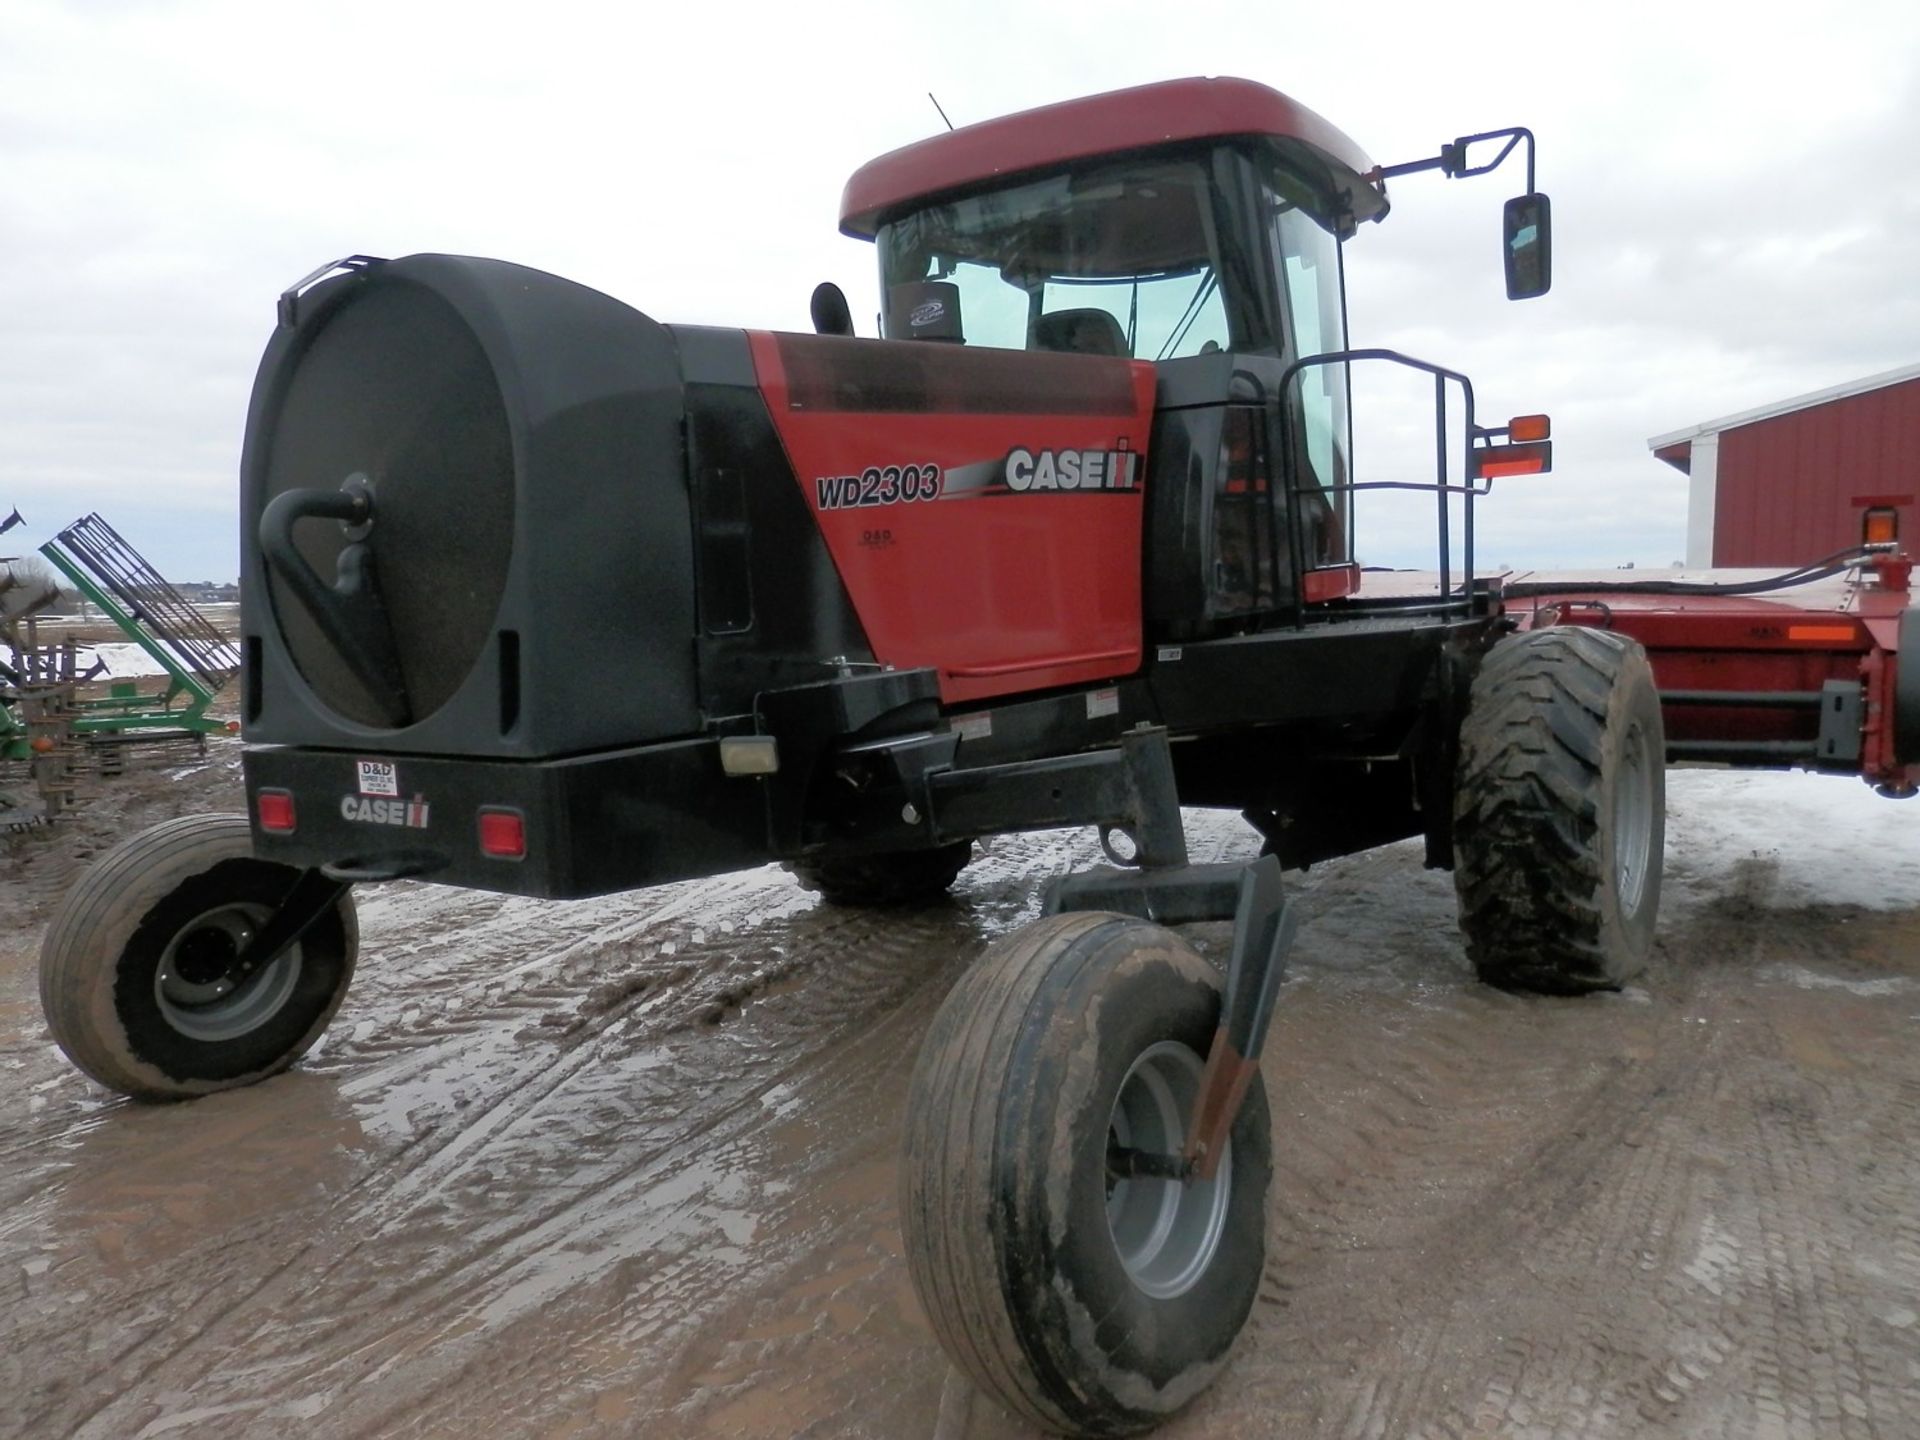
1492,461
1524,428
1824,634
1880,527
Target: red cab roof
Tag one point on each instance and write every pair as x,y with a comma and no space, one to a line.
1121,120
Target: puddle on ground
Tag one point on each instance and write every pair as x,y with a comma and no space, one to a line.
144,1184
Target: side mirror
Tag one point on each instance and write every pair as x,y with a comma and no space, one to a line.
1528,228
829,310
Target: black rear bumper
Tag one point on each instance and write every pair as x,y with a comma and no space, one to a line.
594,824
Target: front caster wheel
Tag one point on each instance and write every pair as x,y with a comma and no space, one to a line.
1081,1290
136,971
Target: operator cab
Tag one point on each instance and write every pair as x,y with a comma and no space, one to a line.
1198,232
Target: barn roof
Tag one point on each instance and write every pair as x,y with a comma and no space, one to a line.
1676,447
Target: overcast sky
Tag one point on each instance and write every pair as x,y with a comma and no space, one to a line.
1734,187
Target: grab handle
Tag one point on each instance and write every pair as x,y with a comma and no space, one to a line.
349,612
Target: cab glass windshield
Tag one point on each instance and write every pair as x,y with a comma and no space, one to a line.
1122,260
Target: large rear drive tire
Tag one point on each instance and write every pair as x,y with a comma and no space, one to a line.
132,969
906,877
1560,812
1086,1304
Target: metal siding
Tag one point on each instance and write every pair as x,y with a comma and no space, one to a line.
1787,484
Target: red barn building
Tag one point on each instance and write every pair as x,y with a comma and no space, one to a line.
1786,483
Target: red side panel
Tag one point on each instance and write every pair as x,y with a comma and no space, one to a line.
983,507
1789,641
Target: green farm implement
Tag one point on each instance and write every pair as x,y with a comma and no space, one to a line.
50,724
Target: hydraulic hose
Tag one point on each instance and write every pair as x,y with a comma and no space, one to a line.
1818,570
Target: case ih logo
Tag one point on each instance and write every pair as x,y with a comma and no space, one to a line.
410,813
1079,470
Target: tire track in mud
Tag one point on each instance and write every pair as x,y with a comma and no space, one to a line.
375,1214
812,1239
627,1172
1549,1162
1707,1352
1797,1275
419,990
1463,1190
413,1144
669,979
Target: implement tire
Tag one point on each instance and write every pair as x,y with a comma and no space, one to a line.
1560,812
895,881
131,977
1086,1300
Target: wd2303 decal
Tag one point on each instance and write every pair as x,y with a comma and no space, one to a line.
878,485
1024,471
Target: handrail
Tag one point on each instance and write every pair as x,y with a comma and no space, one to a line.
1469,491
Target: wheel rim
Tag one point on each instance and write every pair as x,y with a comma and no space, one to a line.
1165,1232
1632,821
194,986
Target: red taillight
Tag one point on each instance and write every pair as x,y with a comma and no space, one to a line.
503,835
274,808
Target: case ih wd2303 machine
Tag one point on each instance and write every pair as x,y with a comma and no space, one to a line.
1072,545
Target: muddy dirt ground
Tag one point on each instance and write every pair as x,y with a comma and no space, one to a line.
626,1167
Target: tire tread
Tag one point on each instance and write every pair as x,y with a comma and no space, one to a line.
949,1157
1528,870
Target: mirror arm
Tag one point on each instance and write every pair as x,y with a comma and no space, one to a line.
1452,159
1407,167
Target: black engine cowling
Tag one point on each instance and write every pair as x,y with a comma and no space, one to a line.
518,580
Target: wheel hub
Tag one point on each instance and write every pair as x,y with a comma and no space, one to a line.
196,986
1165,1230
205,955
1633,821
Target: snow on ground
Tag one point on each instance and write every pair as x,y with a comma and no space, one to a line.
125,661
1834,841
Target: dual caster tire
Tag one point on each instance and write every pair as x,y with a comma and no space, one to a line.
136,971
1085,1297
